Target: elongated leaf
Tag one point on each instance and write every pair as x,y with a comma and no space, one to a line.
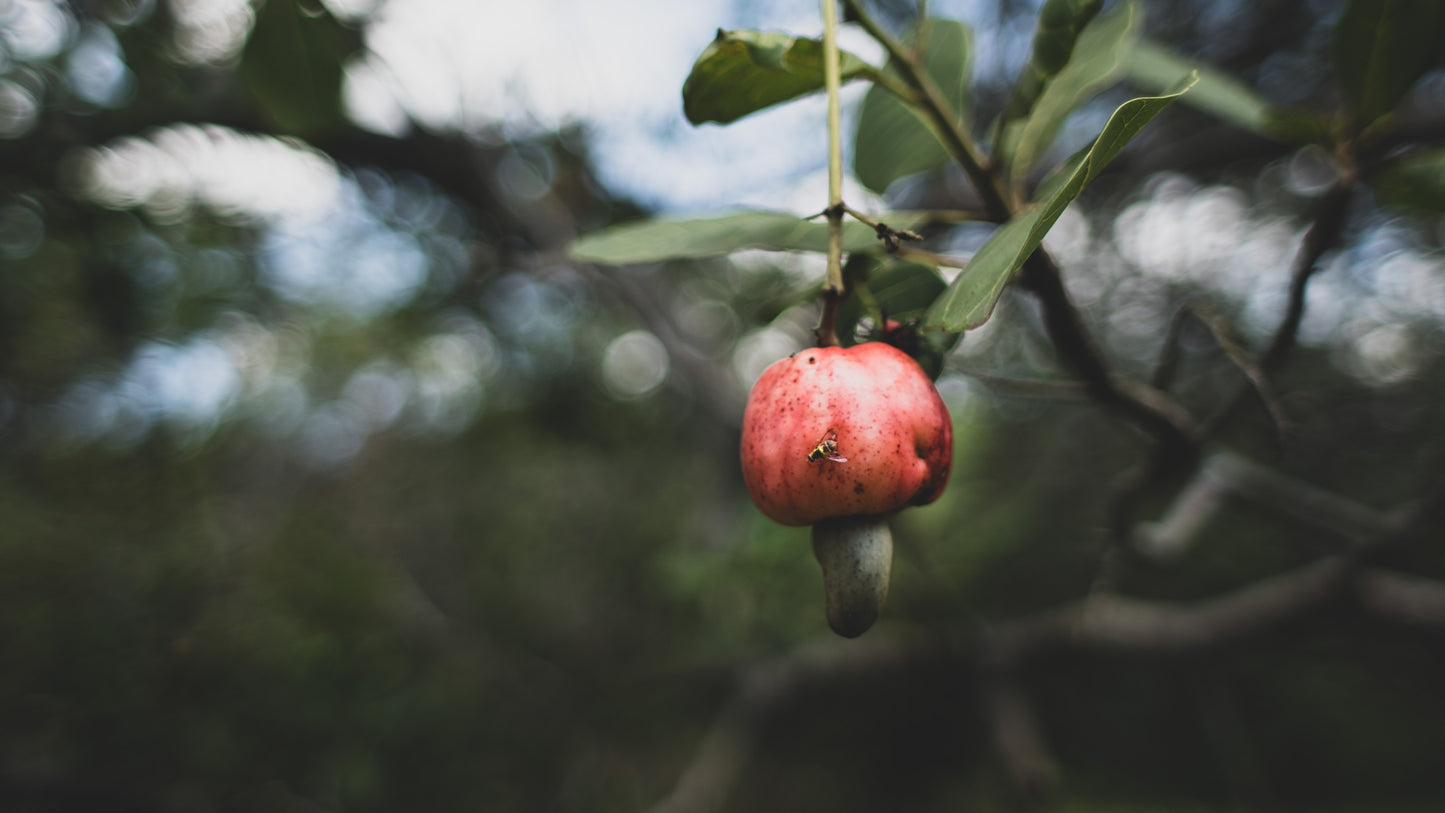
655,240
970,300
1382,47
1060,22
1154,67
742,72
1415,181
894,139
1099,58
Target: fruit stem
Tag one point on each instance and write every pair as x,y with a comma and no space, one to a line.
831,82
856,554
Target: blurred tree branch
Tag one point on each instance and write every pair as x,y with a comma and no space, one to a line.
1098,622
1152,410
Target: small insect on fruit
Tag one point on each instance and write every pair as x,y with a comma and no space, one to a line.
827,449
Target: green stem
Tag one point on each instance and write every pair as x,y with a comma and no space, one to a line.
831,81
957,140
932,258
1153,410
894,85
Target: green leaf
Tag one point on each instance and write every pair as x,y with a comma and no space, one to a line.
1382,47
292,66
897,289
900,291
894,139
656,240
1414,181
970,300
1100,55
742,72
1154,67
1060,22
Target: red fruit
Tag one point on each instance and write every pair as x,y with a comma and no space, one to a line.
840,432
841,439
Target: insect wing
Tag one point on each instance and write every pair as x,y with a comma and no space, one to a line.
827,449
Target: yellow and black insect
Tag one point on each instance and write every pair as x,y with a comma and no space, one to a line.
827,449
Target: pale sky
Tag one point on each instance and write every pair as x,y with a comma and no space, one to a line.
530,66
617,68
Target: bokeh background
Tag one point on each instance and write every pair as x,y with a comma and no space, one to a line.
329,482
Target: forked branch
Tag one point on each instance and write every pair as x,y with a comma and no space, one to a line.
1154,411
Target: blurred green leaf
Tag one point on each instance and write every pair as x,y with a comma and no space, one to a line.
1155,68
293,66
894,139
891,289
656,240
1298,125
1415,181
1060,22
1102,50
970,300
1382,47
742,72
897,289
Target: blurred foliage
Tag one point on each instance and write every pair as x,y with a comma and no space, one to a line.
370,507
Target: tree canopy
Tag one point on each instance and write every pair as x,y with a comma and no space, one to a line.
359,467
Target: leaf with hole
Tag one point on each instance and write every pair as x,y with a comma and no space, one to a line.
742,72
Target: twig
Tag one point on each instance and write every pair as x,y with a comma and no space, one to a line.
1400,597
1224,336
1030,387
889,235
826,333
1107,622
1098,622
1225,475
957,140
708,779
1155,412
1018,740
1158,414
931,258
1323,235
1254,373
833,284
1104,621
1168,362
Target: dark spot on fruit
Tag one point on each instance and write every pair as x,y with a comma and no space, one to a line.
857,488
